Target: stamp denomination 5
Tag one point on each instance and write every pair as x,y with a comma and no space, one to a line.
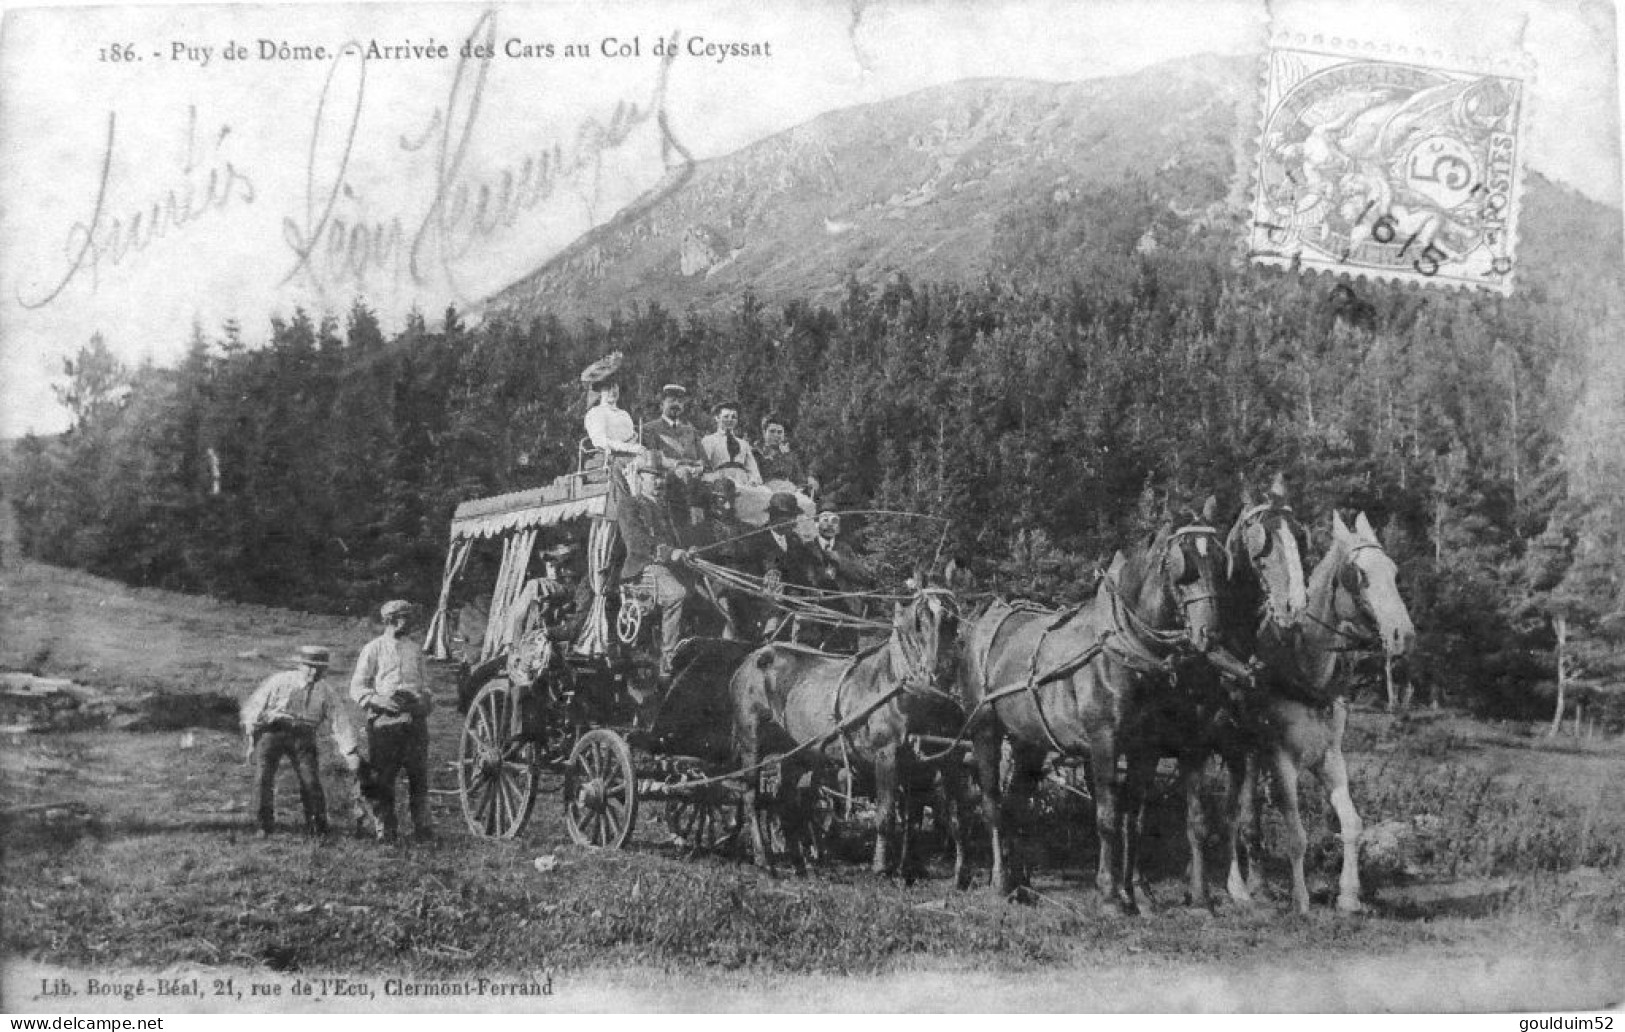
1388,168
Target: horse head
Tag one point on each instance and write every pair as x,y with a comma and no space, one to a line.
1172,583
925,637
1265,555
1365,594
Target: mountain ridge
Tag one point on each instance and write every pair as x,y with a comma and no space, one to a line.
935,185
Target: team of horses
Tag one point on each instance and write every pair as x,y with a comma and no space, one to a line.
1193,644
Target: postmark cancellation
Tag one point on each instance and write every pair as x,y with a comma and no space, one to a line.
1388,164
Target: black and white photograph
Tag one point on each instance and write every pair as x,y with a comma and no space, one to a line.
697,506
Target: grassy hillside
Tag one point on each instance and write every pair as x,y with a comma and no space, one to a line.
128,851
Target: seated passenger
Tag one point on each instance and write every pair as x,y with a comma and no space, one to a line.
609,427
545,618
652,557
726,451
839,568
679,444
553,601
838,571
776,461
719,538
776,553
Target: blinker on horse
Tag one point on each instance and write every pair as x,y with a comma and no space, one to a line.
1087,683
818,710
1300,710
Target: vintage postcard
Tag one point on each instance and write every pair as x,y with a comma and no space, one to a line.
873,505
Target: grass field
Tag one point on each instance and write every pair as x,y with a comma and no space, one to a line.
1495,857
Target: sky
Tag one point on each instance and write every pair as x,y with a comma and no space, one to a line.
289,175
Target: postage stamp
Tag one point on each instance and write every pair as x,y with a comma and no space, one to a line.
1371,164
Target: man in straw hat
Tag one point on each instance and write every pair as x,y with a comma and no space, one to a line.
609,427
282,718
391,685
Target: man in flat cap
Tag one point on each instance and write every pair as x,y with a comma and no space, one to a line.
282,718
391,685
725,450
678,443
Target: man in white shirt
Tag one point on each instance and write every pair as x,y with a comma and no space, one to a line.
391,685
726,450
282,718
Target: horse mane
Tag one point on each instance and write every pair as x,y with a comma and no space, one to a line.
1135,568
1326,568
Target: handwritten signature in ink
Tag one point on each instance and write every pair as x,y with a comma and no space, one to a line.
205,187
464,208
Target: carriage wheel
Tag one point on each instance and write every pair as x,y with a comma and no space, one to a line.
704,822
496,771
629,621
600,790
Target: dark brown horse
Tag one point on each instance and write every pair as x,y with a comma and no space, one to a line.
1204,712
1296,717
816,710
1092,682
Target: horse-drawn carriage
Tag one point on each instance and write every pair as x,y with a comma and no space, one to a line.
1092,682
595,708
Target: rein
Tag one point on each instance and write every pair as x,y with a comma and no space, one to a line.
1357,642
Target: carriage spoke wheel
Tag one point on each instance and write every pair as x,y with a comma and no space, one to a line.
600,790
496,772
704,822
629,621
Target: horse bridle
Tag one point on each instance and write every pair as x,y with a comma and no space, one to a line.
1251,517
1180,638
1199,531
1357,641
926,679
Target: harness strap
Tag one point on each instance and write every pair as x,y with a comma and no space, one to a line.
993,638
835,715
1038,702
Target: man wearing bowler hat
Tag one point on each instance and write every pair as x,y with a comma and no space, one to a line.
777,554
391,685
282,718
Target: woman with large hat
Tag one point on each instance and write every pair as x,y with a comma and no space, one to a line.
610,428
